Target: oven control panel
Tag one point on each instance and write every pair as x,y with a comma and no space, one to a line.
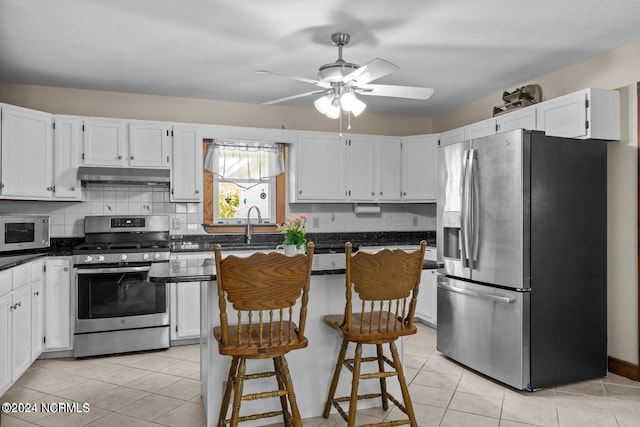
136,222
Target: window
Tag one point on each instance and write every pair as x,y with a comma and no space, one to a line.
239,175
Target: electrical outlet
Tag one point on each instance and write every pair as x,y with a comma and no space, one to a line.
315,222
415,221
176,223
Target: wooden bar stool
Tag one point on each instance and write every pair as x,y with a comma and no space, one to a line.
263,290
387,283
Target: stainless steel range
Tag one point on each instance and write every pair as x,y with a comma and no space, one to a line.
117,309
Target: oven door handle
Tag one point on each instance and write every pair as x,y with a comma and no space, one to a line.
113,270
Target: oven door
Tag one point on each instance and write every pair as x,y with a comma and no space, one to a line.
116,298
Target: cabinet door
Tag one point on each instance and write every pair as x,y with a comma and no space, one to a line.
105,142
187,310
419,168
362,169
27,150
5,343
388,151
480,129
20,331
187,167
58,304
452,136
149,145
321,167
521,119
66,153
564,116
37,308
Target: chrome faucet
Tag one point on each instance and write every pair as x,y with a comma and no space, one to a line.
249,221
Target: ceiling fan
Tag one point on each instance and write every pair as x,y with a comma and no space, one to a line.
339,82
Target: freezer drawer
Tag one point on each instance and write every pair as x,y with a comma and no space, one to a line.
486,329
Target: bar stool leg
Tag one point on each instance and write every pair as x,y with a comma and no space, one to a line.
336,377
355,383
295,413
238,385
403,384
283,399
383,380
224,407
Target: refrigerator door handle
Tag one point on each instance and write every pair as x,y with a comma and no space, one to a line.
467,213
464,236
474,207
495,298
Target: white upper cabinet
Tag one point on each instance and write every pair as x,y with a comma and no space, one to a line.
27,154
452,136
589,113
67,142
362,169
149,145
187,165
105,142
388,172
479,129
419,168
520,119
319,173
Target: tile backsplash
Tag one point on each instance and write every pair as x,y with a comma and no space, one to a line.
67,218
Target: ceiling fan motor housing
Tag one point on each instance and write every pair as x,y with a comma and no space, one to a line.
335,71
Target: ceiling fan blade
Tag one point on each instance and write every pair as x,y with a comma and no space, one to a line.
371,71
288,98
411,92
302,79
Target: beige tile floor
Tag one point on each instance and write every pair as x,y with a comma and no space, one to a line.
161,388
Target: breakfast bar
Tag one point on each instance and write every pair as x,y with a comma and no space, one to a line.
311,368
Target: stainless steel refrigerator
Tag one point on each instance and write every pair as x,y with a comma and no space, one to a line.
521,231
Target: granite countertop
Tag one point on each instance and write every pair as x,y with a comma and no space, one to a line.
203,269
14,260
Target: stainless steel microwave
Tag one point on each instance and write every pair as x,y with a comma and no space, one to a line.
23,232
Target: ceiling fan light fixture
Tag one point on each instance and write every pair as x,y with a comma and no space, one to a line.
334,110
323,104
351,104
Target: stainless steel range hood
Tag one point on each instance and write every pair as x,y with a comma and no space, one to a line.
124,175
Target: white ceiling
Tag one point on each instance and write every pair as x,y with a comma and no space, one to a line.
465,49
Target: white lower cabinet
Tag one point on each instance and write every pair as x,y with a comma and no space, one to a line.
20,331
185,310
427,306
5,342
37,308
59,307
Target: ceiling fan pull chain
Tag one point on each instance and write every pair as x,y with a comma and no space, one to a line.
349,120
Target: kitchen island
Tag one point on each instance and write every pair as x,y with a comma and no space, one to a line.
311,368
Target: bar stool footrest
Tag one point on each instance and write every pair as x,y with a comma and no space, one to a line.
253,417
264,395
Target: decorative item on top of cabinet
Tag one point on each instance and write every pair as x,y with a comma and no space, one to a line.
26,147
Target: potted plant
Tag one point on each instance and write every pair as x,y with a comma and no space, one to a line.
294,234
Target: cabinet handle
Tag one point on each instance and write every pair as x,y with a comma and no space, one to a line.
36,293
65,269
119,157
299,191
133,158
373,193
381,193
73,188
404,193
197,191
49,188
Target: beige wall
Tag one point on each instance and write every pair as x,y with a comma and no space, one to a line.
618,69
151,107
